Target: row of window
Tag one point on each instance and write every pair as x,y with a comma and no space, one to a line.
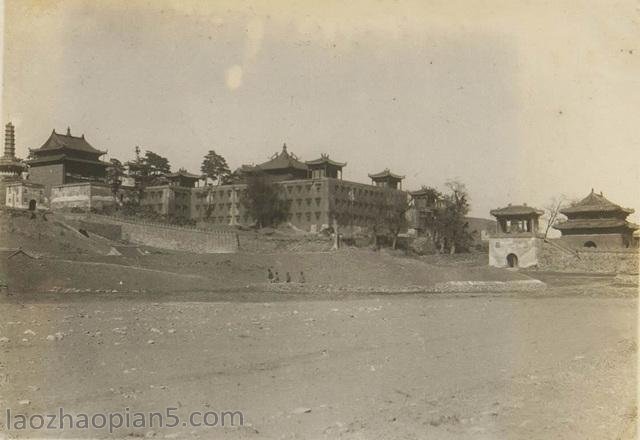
344,217
220,206
308,187
364,192
308,201
358,205
219,193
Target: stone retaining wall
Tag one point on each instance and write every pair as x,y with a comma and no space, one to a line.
85,195
588,260
165,236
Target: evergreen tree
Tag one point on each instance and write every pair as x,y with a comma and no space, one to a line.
264,201
215,168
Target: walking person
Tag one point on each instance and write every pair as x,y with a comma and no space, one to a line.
270,275
302,279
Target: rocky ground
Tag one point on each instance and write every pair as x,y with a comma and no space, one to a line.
559,364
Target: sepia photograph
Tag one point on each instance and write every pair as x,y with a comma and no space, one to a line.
319,219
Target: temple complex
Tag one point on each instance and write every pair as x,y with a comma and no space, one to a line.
595,222
315,190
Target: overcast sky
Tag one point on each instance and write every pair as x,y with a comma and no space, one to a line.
521,100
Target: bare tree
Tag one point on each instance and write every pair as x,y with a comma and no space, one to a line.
552,211
453,225
391,219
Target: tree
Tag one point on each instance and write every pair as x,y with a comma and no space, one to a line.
456,210
115,172
215,168
154,164
147,170
451,229
395,218
264,201
552,212
391,218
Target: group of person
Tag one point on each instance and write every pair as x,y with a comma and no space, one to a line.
274,277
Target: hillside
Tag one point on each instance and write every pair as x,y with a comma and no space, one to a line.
48,235
73,261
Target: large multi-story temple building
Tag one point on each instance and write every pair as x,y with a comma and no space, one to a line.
65,159
315,190
70,172
595,222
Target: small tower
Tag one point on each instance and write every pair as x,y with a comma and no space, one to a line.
387,179
325,167
10,166
9,141
516,240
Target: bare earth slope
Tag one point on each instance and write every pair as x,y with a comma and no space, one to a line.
71,261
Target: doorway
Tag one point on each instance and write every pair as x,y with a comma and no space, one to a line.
32,205
512,260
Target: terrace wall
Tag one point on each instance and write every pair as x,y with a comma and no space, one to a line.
555,258
162,236
85,195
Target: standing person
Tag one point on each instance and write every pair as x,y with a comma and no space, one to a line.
270,275
288,278
277,278
302,279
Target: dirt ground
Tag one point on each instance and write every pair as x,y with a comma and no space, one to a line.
541,366
145,331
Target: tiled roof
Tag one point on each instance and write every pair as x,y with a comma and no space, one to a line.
595,223
58,141
516,210
324,159
283,160
594,203
183,174
385,173
59,157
